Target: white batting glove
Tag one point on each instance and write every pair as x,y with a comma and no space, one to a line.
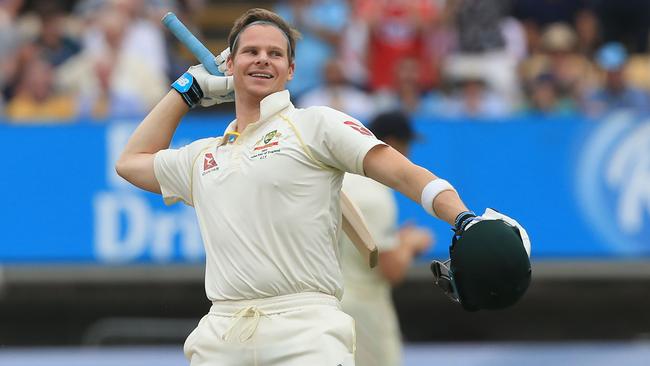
221,59
216,89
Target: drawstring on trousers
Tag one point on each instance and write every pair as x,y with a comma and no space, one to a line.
248,330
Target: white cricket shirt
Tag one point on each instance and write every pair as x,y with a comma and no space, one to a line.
268,204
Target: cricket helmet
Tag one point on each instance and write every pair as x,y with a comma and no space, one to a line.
489,266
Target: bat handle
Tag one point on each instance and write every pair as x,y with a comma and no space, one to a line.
191,42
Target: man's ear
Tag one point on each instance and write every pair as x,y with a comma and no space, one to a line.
229,66
292,68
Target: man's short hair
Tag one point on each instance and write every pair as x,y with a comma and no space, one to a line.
263,15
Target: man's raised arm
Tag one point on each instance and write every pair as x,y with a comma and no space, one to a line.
153,134
195,87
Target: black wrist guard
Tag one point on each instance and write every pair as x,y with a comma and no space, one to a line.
462,220
189,89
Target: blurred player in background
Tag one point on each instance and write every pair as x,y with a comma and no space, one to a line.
267,199
367,294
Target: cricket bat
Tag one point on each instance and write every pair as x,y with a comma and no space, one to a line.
353,224
356,229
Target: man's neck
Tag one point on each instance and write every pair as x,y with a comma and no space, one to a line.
247,111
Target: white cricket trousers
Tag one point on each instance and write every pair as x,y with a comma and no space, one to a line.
305,329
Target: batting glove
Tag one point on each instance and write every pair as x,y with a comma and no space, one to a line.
216,89
221,59
198,86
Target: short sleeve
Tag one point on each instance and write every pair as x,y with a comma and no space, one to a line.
338,140
174,169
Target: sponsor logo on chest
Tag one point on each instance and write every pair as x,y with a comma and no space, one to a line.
209,163
267,145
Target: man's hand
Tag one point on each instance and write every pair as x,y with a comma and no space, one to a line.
394,263
216,89
198,86
418,239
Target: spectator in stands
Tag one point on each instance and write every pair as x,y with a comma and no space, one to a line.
9,46
338,94
55,45
407,94
353,50
537,15
514,37
441,41
108,81
396,29
472,98
588,32
36,99
616,94
482,46
321,23
572,72
637,71
546,100
8,12
142,38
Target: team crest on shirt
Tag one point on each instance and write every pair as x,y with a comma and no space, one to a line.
358,127
269,136
209,163
267,145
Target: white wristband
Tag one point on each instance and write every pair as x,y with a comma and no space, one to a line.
431,191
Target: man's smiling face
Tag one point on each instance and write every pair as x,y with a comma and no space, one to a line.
260,65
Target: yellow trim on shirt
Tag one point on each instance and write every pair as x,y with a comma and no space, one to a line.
304,146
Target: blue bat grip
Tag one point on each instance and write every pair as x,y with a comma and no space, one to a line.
192,43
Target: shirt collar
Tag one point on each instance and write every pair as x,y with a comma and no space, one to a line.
274,103
269,106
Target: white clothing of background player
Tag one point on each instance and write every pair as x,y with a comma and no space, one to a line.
267,202
367,296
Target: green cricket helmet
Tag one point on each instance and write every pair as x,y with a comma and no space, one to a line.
489,265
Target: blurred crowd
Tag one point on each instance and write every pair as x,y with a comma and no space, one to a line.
470,59
63,61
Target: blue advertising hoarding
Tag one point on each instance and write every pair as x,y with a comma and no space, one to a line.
581,189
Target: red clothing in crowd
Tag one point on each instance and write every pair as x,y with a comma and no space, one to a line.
397,30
